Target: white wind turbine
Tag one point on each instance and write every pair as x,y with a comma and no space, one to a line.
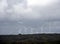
49,25
46,26
32,30
25,30
28,30
42,28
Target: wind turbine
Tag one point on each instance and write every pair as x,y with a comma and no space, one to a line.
25,30
42,28
49,27
46,26
32,30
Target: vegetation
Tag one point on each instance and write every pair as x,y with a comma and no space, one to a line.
30,39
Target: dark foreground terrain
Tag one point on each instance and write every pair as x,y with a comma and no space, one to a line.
30,39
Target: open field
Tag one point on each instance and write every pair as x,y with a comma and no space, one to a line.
30,39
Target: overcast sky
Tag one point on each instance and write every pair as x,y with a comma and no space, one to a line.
29,16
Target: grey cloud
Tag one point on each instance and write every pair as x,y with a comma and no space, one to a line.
11,23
